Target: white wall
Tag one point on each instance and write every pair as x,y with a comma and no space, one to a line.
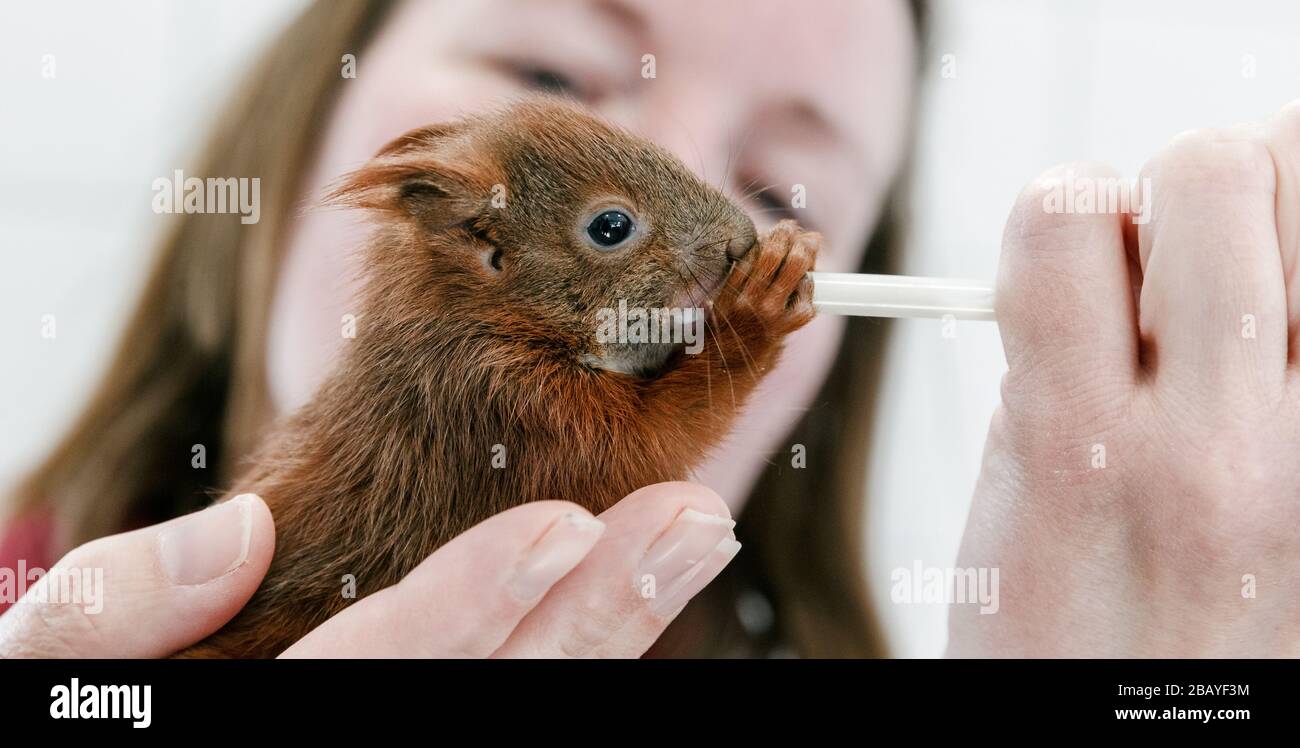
1037,82
134,83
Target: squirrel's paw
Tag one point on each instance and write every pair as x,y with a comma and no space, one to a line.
768,288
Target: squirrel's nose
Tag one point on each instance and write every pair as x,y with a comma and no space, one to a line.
742,240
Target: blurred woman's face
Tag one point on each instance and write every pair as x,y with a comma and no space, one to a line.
762,97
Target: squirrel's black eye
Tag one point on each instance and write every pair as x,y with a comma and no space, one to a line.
610,228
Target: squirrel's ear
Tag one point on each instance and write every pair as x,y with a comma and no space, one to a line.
417,175
422,139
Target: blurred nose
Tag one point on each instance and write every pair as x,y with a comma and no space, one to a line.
743,238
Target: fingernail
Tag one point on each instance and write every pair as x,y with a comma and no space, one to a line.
563,545
207,544
689,584
669,568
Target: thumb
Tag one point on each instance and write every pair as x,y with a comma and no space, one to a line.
146,593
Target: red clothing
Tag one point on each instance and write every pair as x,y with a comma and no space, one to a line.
28,538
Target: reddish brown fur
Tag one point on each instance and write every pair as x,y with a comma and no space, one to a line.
393,456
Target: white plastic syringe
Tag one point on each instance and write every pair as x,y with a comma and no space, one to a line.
861,295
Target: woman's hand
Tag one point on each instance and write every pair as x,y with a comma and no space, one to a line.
541,580
1140,493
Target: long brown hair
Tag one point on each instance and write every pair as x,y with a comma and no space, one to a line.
190,372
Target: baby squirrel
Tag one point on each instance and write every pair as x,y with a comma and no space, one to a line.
477,381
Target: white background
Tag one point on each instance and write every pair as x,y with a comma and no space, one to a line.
1037,83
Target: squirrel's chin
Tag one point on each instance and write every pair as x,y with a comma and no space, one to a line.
641,360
